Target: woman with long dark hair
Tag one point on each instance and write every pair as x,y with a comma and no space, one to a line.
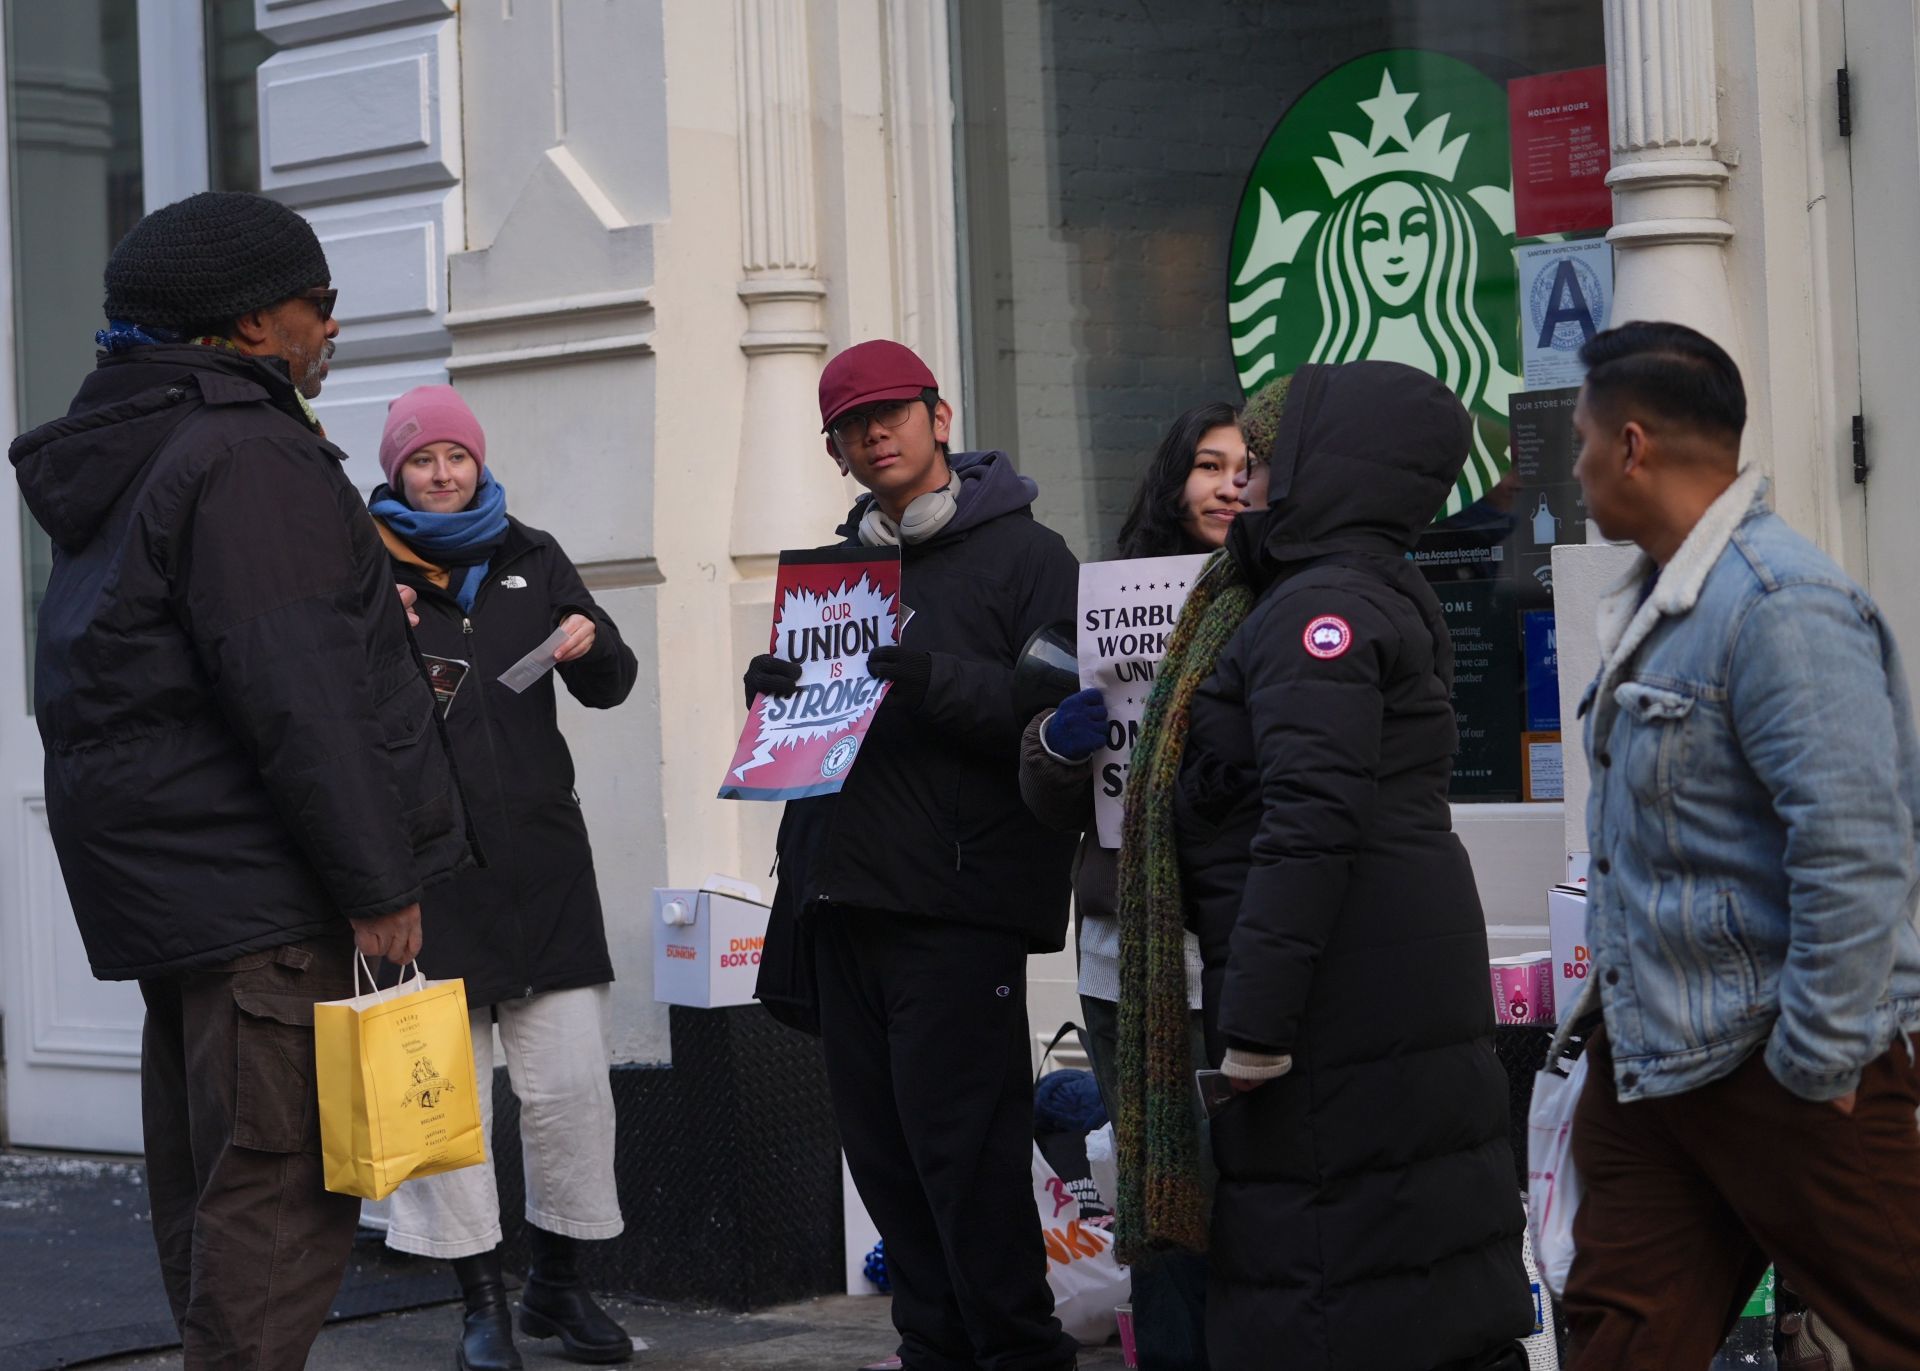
1209,470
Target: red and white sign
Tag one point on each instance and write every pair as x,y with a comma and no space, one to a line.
1561,152
831,608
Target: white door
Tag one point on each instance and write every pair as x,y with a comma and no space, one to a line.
106,116
1885,152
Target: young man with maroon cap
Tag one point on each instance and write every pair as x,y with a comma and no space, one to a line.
926,883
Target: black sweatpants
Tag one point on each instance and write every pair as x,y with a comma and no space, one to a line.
924,1026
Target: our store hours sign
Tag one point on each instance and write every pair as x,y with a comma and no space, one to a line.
1378,224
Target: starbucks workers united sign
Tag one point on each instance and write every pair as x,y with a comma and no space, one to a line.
1378,224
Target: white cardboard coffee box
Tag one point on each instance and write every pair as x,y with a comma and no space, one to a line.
706,943
1567,931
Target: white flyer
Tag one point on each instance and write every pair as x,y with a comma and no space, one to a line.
1127,613
534,665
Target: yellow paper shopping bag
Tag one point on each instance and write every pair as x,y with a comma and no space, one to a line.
398,1097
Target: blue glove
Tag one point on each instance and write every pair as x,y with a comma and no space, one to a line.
1077,728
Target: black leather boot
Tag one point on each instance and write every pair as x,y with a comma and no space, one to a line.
486,1340
554,1304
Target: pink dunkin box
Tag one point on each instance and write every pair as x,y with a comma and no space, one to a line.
1523,988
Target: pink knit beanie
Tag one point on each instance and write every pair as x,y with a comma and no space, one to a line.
428,414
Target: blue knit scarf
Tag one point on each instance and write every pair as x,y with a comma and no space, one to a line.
468,538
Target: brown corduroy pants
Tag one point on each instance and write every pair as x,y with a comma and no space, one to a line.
1689,1197
252,1245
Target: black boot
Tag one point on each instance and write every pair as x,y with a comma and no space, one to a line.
486,1341
554,1303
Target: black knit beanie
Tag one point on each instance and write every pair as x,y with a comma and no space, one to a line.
210,258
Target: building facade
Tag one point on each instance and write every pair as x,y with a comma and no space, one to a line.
631,232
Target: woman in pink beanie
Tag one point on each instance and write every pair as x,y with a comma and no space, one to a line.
525,933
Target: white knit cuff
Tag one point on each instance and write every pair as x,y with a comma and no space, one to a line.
1243,1065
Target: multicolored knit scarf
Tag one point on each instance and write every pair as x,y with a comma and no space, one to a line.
123,335
1162,1205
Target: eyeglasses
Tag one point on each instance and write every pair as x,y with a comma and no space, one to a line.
889,414
323,298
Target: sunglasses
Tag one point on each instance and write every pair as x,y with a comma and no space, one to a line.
323,298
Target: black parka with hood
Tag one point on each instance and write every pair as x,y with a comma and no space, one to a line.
930,822
1368,1217
530,921
240,746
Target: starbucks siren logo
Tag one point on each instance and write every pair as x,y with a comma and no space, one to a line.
1363,237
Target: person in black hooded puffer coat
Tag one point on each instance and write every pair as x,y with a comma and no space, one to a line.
1367,1217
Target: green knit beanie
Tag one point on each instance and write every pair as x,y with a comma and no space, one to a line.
1260,419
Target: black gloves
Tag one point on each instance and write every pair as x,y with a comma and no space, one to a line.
909,671
770,675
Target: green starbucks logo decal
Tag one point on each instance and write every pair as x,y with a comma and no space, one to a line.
1378,224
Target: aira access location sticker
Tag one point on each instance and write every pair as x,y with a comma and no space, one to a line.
1328,636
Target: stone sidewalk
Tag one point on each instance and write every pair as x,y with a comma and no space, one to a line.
832,1334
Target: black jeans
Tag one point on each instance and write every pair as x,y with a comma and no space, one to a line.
252,1244
924,1027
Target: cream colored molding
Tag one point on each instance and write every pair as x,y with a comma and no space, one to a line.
1669,230
631,573
402,89
783,496
919,116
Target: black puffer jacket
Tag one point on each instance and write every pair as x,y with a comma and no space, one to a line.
1367,1215
531,920
240,746
930,821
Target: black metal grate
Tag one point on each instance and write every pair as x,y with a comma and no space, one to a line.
728,1166
1522,1049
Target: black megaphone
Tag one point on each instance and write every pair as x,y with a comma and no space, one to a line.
1047,669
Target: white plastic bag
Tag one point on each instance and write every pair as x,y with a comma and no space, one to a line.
1087,1282
1553,1186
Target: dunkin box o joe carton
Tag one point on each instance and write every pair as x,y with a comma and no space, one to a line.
1572,959
706,944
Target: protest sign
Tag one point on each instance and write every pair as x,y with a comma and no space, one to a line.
830,609
1127,613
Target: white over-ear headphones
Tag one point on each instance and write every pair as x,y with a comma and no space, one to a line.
925,517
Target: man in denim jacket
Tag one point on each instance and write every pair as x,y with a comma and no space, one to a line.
1756,783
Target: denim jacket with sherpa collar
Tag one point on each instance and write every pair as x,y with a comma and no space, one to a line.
1756,782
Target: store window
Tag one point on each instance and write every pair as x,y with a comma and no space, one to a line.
73,119
1166,202
79,163
235,51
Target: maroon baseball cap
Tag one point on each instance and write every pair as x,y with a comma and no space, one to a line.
865,372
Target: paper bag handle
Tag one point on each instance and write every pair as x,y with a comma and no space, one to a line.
373,982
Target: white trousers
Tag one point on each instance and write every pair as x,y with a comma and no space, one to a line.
558,1053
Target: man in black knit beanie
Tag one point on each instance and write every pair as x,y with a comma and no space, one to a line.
242,779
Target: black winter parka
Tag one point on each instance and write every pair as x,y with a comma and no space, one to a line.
240,745
1367,1217
930,821
531,920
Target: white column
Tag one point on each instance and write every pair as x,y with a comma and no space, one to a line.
1669,233
785,494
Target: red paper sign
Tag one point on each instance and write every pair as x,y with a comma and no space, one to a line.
830,609
1558,124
